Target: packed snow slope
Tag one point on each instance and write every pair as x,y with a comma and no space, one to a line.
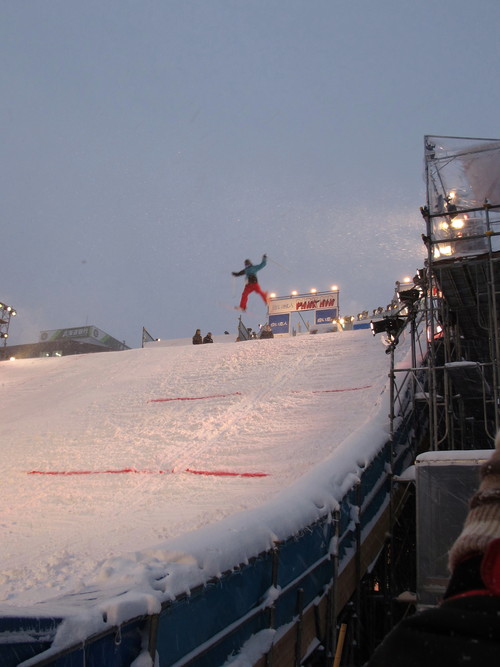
107,455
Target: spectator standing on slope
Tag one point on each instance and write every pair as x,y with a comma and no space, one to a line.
197,339
266,332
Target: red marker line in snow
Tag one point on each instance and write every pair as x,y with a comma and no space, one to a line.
216,473
99,472
192,398
328,391
224,473
238,393
331,391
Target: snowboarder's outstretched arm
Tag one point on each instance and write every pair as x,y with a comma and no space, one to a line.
250,269
262,264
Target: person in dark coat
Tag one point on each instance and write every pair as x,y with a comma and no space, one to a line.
465,628
208,338
266,332
197,339
252,284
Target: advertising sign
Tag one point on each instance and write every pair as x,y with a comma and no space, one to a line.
80,333
280,324
326,316
293,304
86,334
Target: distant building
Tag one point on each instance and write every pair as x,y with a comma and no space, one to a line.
64,342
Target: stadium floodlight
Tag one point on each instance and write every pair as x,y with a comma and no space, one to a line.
378,327
420,279
458,222
408,297
390,325
6,313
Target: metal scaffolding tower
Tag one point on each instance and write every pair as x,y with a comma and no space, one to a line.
462,276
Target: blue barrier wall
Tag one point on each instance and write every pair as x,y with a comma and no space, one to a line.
214,620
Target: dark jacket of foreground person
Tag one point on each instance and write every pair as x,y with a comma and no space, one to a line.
465,628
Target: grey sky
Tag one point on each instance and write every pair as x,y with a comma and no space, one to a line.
150,146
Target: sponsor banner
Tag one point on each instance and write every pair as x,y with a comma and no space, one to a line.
87,334
293,304
74,332
280,324
326,316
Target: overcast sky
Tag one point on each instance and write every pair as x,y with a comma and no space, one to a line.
150,146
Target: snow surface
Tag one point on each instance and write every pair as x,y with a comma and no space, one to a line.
146,514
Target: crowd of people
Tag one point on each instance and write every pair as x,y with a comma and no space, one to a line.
198,340
265,332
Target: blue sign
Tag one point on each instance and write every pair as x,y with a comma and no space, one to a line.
326,316
280,324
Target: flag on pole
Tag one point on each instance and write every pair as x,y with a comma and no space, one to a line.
147,337
242,330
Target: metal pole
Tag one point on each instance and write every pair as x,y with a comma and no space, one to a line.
335,570
153,636
430,332
300,610
494,318
340,645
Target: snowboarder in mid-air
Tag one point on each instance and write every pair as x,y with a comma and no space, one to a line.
252,284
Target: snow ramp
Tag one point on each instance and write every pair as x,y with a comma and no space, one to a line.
178,503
